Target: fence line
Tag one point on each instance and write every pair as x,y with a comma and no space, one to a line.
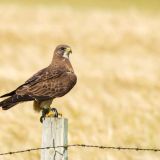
84,146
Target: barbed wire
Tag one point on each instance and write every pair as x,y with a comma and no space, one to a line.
85,146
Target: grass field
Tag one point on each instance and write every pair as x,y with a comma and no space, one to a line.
116,56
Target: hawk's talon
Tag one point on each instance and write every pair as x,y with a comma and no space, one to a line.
60,115
42,118
45,111
57,114
55,111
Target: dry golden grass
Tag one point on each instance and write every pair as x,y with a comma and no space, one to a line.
116,56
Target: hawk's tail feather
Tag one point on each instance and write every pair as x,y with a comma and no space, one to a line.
8,103
8,106
8,94
12,101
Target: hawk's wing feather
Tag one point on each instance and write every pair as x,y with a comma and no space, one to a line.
50,88
36,76
43,75
40,76
53,88
37,80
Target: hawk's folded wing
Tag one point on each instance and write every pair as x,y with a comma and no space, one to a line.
40,76
50,88
43,75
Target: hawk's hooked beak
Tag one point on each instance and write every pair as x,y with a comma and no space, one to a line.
67,52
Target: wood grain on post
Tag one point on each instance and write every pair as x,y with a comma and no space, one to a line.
55,133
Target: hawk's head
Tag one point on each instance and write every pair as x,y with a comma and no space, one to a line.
63,51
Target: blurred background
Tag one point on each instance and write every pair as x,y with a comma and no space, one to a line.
116,56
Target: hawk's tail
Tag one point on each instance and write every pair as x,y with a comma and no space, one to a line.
13,100
8,103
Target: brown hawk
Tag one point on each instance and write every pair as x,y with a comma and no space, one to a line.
51,82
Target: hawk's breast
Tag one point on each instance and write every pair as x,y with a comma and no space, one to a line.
65,84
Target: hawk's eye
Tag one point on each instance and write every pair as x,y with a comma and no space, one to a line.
62,48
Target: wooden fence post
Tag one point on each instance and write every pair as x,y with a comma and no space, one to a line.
54,133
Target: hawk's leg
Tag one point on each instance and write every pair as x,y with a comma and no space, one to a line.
44,112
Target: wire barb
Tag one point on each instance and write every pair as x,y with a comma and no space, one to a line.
83,146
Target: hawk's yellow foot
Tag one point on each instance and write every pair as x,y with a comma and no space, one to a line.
49,112
53,113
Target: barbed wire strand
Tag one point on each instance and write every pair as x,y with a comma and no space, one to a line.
85,146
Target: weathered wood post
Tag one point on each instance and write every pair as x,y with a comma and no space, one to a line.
54,133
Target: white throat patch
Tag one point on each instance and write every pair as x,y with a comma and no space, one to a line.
66,55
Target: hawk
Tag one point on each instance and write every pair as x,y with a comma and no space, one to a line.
51,82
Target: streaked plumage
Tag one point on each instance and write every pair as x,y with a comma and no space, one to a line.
51,82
